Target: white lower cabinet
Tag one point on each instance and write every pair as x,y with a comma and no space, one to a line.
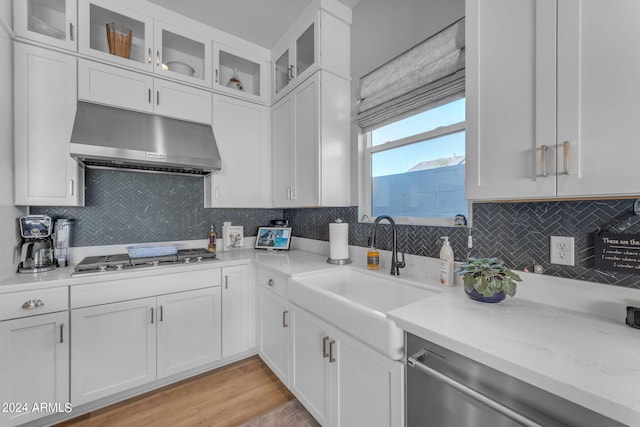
238,310
34,367
188,330
126,344
274,333
341,381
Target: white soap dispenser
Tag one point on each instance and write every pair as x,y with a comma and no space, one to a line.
446,263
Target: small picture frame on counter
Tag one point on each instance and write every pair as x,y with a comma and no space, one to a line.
232,237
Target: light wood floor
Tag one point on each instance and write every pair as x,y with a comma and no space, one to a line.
227,396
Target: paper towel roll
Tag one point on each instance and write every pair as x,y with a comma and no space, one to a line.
338,240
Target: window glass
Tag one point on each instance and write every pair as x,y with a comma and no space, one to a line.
443,115
418,170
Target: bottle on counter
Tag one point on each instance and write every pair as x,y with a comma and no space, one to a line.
446,263
373,259
212,240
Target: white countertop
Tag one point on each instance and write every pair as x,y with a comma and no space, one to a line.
588,360
592,361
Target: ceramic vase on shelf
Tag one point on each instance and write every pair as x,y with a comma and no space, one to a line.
234,81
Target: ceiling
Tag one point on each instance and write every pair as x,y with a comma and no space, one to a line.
261,22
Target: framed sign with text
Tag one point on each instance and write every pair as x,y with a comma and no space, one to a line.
617,252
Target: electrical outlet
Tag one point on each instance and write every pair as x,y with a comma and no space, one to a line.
562,250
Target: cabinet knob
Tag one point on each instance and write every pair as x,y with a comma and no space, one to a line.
32,303
271,283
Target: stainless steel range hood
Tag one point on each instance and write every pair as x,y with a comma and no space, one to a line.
107,137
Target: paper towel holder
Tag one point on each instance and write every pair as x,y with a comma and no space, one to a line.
343,261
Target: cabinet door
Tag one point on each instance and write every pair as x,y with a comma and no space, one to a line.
242,133
306,188
182,102
283,152
238,311
45,107
182,55
188,330
104,84
511,104
282,71
598,92
34,364
274,333
53,22
366,387
113,347
251,72
306,48
96,14
310,376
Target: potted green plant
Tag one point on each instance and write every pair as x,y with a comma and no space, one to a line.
487,279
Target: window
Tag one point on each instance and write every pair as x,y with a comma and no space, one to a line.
414,167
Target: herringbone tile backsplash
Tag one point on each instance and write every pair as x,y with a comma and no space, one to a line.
128,207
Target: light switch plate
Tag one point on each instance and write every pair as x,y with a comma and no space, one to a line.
562,250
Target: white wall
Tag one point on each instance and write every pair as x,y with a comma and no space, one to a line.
9,234
382,30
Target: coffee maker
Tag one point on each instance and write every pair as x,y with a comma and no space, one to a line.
37,249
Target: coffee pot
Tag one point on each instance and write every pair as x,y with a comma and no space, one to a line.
37,250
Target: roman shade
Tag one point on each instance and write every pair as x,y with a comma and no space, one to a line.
426,75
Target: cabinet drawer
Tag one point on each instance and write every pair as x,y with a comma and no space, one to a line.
142,287
50,300
271,280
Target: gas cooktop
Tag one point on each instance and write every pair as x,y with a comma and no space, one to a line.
122,262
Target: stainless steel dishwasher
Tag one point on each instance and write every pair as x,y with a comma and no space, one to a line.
446,389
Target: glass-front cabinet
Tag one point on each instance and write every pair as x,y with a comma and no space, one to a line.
116,34
53,22
126,37
182,56
239,74
295,60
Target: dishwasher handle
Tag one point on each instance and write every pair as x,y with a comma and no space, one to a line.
414,362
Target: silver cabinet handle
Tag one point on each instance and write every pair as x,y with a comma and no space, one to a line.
158,58
293,193
226,282
288,193
271,283
543,160
149,95
61,333
216,75
565,151
152,315
32,303
284,319
331,358
161,313
157,97
71,35
149,56
71,187
291,72
414,362
324,347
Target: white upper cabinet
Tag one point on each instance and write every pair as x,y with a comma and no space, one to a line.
311,144
242,131
44,110
182,55
95,15
241,75
154,45
319,39
104,84
550,119
53,22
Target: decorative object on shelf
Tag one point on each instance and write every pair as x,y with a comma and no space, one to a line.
487,279
232,236
42,27
119,39
234,81
180,67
